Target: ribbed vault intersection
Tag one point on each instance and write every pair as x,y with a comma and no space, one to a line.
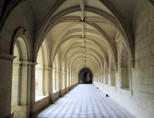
85,37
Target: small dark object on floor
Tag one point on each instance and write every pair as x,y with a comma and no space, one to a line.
97,88
107,95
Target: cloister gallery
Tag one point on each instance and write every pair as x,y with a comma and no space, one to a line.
78,57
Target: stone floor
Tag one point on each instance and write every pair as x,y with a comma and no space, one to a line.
85,101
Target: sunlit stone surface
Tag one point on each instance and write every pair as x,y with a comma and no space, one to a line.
85,101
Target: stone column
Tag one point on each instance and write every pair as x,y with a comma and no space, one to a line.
24,86
30,96
56,80
16,72
70,79
53,80
73,79
65,77
106,77
24,78
50,89
60,81
32,88
6,62
110,78
46,80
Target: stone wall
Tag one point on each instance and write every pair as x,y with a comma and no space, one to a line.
143,78
139,97
20,17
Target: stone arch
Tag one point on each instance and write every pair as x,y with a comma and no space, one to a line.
70,38
152,2
20,78
85,76
58,18
21,37
41,68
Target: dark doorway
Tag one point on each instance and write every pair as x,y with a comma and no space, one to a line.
85,76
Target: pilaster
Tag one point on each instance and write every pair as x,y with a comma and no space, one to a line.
6,61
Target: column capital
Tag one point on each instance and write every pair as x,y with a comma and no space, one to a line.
48,68
59,69
25,62
6,56
53,69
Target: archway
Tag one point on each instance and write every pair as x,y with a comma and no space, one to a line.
41,73
85,76
19,97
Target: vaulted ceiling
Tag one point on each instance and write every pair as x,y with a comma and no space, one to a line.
83,32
